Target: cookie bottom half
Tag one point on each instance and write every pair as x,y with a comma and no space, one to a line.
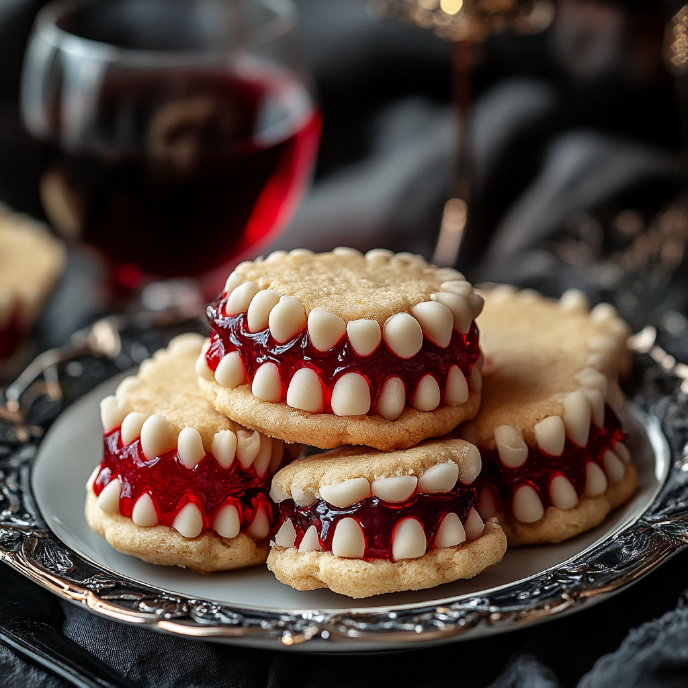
358,578
558,524
327,431
165,546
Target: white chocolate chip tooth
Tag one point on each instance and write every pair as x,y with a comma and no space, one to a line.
248,446
287,319
240,298
460,309
112,412
350,395
613,466
224,447
262,460
562,493
267,384
456,389
144,514
131,427
392,399
396,489
286,535
472,465
474,525
188,522
550,434
512,449
310,541
305,391
259,311
325,329
436,321
346,493
364,336
403,335
348,540
439,478
156,437
527,505
227,523
595,480
202,369
451,532
426,396
577,417
260,526
408,541
190,447
108,499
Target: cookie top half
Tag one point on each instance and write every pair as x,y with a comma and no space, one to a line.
31,260
547,358
338,348
354,473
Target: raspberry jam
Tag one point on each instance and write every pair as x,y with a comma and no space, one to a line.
171,484
378,518
10,335
540,468
230,333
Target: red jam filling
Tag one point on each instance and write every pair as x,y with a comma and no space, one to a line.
378,518
230,333
171,484
10,334
541,468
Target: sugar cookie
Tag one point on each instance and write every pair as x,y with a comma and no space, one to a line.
363,522
341,348
31,260
179,483
554,458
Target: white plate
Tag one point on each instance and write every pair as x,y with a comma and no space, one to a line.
73,448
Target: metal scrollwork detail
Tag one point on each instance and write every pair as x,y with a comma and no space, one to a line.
27,544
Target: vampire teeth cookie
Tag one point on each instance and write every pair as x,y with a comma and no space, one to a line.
341,348
30,262
179,483
554,458
363,522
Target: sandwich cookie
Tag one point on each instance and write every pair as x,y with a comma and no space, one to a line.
31,261
554,456
363,522
179,483
341,348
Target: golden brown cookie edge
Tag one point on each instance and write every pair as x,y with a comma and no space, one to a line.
163,546
558,525
327,431
357,578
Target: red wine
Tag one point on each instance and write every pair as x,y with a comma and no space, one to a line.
176,186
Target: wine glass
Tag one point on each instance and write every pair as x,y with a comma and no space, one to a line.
177,136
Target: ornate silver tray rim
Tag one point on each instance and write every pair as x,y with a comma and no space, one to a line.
59,377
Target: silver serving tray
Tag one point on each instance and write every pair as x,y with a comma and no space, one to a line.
47,451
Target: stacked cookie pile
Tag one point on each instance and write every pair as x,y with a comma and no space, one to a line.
341,349
376,358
